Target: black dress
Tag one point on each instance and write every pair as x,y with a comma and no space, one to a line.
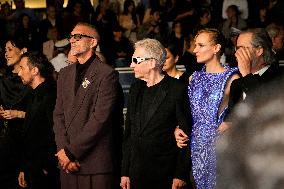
13,95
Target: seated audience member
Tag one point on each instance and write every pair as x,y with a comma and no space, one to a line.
251,152
154,28
233,20
52,20
48,46
129,20
176,38
204,21
39,164
276,33
170,65
120,50
231,47
241,4
61,60
188,58
27,31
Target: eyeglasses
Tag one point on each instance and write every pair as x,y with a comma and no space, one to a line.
78,36
138,60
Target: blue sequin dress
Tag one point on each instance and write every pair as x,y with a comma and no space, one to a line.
205,93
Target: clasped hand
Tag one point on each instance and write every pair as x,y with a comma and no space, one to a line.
65,163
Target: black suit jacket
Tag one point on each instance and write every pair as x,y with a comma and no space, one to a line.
149,149
39,146
251,85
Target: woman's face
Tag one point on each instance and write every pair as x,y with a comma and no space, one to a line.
178,28
26,21
170,61
204,49
131,7
12,54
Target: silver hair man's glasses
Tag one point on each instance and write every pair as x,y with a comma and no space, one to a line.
138,60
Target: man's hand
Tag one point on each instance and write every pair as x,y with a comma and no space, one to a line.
244,57
63,159
21,180
125,183
73,167
178,184
181,138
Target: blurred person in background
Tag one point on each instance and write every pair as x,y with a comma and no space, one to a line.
276,33
188,59
51,20
251,153
61,60
233,20
129,20
28,32
176,37
48,46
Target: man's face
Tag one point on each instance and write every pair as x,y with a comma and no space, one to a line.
82,41
25,72
141,68
244,42
51,12
278,41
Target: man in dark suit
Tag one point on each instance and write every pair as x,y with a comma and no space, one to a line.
257,65
87,94
39,165
157,105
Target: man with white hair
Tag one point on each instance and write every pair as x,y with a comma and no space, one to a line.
157,104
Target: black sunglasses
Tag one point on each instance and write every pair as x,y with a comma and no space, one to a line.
78,36
138,60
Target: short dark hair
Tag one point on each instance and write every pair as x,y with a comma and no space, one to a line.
40,61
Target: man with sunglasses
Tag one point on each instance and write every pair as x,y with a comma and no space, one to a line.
87,94
157,104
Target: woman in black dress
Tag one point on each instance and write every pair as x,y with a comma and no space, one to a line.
13,98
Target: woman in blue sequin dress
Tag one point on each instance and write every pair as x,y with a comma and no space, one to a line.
209,94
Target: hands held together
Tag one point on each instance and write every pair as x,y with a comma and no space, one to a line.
65,163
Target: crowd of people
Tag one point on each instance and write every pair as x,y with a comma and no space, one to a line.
61,113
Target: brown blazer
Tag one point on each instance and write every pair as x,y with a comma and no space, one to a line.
83,121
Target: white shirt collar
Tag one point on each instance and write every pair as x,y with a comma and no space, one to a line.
262,70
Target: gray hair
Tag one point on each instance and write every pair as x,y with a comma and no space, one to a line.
91,27
274,30
260,38
154,49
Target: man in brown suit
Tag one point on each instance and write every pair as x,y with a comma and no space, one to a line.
83,117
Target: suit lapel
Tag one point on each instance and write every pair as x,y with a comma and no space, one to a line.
158,99
88,83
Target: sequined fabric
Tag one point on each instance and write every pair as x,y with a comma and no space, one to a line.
205,93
